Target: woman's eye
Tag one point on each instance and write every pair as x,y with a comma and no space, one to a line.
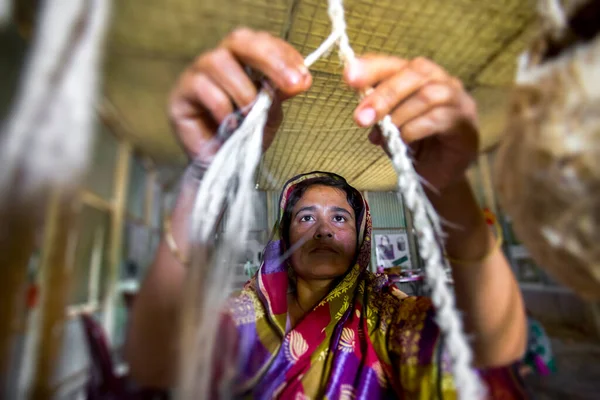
306,218
339,218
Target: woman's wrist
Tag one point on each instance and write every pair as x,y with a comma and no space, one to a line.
468,237
177,223
195,172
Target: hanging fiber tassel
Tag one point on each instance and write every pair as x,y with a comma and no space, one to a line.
229,180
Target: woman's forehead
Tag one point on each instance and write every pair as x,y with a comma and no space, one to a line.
322,195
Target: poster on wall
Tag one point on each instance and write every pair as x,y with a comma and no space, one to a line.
392,250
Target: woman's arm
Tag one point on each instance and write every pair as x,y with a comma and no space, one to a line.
210,89
486,292
153,335
438,119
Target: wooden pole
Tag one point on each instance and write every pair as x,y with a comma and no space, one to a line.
55,272
17,240
116,235
93,200
149,205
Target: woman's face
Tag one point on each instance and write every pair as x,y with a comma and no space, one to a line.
325,219
385,241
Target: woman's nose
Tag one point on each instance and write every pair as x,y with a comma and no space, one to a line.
323,231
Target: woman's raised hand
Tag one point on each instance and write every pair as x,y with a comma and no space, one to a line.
216,84
434,113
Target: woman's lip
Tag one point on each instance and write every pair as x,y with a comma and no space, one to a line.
323,250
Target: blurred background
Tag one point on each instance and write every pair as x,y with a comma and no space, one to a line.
136,162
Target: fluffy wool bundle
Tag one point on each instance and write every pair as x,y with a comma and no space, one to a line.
548,165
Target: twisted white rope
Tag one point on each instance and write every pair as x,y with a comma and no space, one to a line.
230,179
428,227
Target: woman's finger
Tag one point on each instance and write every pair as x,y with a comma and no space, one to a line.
196,108
375,136
274,57
408,79
424,100
195,135
438,121
387,95
425,66
369,70
195,94
274,120
227,73
208,95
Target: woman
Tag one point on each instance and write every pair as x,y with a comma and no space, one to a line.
324,298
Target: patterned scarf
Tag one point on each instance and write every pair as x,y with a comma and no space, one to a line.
363,340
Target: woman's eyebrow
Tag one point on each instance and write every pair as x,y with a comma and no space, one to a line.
341,209
307,208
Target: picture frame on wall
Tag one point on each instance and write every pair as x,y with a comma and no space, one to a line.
392,250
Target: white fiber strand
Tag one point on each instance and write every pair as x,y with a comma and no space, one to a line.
552,11
5,11
429,231
323,49
47,136
228,180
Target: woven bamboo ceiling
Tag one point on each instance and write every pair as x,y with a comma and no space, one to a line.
151,41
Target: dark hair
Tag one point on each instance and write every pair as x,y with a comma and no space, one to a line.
335,181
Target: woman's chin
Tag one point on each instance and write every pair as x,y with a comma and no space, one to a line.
323,272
